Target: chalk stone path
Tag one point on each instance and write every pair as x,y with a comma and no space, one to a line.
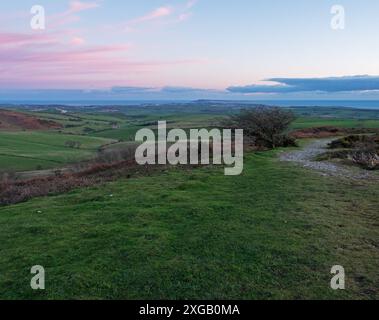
306,158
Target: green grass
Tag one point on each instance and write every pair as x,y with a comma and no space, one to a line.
302,123
273,232
127,131
29,150
82,122
100,124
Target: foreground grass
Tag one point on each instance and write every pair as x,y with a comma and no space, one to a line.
273,232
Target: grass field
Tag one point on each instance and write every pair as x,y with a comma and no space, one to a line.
305,122
82,122
127,132
28,150
273,232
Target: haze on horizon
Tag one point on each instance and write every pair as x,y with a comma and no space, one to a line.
189,49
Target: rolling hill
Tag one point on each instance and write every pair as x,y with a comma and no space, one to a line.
14,121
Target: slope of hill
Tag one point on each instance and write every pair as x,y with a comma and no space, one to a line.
22,151
196,234
12,120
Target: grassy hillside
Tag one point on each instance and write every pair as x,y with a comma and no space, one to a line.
82,122
29,150
273,232
11,120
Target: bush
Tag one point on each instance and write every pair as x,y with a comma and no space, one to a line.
285,141
349,142
362,150
265,126
366,155
111,156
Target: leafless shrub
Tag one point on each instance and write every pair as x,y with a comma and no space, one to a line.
265,125
115,155
362,150
366,155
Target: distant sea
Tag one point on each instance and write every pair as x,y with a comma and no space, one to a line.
357,104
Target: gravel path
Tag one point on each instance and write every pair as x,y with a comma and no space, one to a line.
306,158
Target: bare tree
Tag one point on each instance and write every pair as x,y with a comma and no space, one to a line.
265,125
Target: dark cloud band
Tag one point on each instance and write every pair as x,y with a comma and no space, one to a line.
333,84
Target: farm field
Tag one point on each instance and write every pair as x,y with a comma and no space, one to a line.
21,151
81,122
308,122
127,131
271,233
31,150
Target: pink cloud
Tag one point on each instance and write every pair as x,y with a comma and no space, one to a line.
77,6
155,14
69,16
77,41
186,13
17,39
45,60
182,13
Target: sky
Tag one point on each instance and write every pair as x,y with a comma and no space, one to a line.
189,49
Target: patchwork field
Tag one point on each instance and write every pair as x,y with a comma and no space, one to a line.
83,123
14,121
21,151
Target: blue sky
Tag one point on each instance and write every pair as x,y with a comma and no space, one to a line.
184,49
